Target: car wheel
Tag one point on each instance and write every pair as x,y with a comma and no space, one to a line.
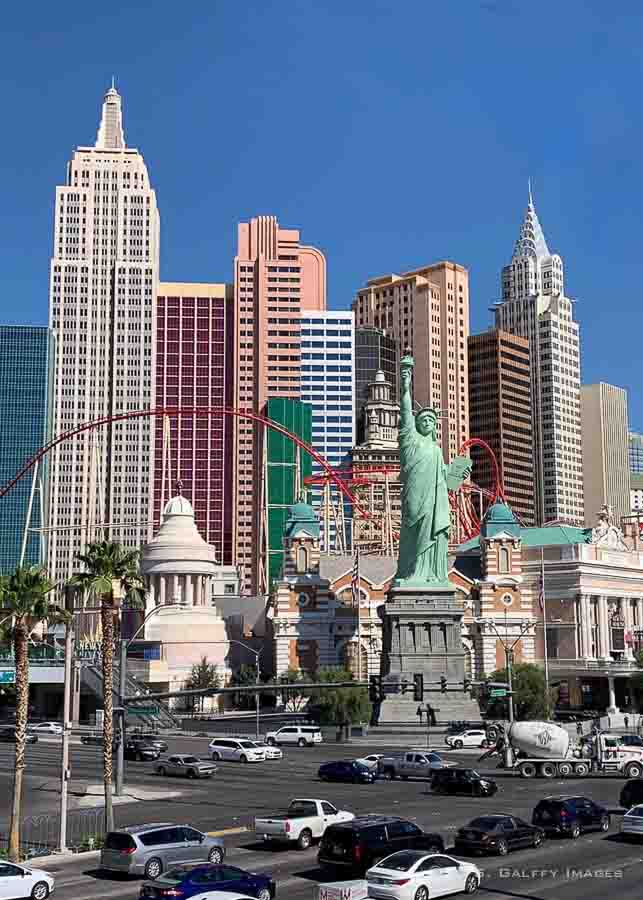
153,868
389,773
422,893
40,890
191,773
139,758
216,756
301,742
458,745
264,894
581,769
304,840
575,832
243,758
548,770
633,770
162,770
538,839
605,823
271,741
471,884
527,770
503,848
565,770
215,856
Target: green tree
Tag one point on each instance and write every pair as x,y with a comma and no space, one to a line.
341,706
24,598
294,700
110,572
203,675
530,700
246,676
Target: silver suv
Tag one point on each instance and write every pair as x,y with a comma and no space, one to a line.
151,849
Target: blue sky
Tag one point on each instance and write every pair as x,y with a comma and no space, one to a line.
392,133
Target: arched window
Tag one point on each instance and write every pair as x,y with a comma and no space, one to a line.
503,559
302,559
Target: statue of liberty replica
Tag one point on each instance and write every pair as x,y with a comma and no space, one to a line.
422,618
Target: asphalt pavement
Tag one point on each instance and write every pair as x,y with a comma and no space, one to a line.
559,870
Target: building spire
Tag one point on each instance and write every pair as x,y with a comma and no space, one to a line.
531,239
531,199
110,131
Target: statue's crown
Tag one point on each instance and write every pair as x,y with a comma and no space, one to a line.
433,410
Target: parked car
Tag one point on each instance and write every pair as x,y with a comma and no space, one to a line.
570,815
8,735
360,844
632,823
413,875
303,822
140,750
235,750
462,781
269,751
187,766
472,737
150,850
23,881
371,761
96,740
151,737
497,834
348,770
187,882
412,764
46,728
631,793
301,735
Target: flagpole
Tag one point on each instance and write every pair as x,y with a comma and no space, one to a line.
544,607
359,621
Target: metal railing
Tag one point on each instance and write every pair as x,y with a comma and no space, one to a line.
40,835
592,664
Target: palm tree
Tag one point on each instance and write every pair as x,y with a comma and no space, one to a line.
110,571
23,596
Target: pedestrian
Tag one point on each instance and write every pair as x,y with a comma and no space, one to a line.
579,728
626,721
430,715
420,712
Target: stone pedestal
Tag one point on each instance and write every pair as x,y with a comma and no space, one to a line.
422,634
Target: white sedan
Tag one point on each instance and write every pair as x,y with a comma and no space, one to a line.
472,737
414,875
46,728
222,895
632,822
371,760
270,751
23,881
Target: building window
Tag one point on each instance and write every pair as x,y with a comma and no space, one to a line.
503,560
302,559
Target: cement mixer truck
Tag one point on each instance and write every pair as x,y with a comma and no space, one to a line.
544,749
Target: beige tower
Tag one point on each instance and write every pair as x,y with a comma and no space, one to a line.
103,282
428,310
606,471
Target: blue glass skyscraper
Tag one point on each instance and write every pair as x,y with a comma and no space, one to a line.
26,357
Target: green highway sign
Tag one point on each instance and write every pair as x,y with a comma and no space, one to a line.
143,710
498,692
8,676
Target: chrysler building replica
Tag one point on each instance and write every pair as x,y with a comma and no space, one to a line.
535,307
104,274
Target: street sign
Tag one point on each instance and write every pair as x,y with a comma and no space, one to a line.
8,676
143,710
498,692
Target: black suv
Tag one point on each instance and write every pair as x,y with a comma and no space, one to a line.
360,843
462,781
570,816
631,793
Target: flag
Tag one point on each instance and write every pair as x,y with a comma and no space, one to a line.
355,581
541,593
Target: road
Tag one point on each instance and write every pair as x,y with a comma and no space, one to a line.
559,870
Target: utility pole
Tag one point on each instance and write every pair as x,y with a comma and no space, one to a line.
257,695
509,655
65,770
120,750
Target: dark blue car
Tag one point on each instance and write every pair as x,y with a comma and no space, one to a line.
185,882
346,770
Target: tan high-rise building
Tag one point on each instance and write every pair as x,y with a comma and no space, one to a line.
500,414
103,284
276,277
606,471
427,310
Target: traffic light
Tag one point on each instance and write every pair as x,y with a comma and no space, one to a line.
375,688
443,683
467,685
418,687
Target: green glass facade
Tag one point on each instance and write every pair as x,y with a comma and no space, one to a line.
26,359
283,462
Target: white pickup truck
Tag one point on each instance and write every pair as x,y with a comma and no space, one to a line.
303,822
413,764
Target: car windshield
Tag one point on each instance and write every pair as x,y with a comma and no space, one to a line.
484,823
191,759
175,875
260,744
435,757
636,811
400,862
247,744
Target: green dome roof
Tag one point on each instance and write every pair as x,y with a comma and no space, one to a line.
303,512
302,516
500,518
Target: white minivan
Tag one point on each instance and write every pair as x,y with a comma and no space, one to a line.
235,750
301,735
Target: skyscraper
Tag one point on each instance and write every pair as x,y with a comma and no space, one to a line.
606,471
427,310
534,306
276,277
500,414
194,368
26,358
328,384
375,351
103,282
636,452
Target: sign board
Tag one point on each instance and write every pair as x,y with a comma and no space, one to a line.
142,710
498,692
342,890
8,676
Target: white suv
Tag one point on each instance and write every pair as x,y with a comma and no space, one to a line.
473,737
235,750
302,735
